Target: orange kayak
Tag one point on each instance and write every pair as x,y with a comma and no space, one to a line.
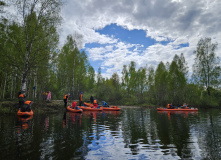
19,113
91,109
112,108
180,109
88,104
74,110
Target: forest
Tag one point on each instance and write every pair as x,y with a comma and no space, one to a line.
31,61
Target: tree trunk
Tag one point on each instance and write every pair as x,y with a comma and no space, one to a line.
11,87
26,70
73,82
4,87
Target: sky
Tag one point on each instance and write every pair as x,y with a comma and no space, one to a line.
116,32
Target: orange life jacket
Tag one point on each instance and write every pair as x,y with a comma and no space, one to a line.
21,95
65,96
95,101
185,106
81,97
168,106
44,93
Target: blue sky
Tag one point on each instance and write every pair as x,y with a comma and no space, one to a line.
114,33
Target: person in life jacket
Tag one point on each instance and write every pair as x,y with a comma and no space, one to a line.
92,99
170,106
95,104
21,98
105,104
81,99
66,100
43,96
74,105
185,106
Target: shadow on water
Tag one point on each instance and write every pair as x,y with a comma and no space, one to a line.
133,133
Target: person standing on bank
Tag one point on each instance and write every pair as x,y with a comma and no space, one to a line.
81,99
66,100
92,99
21,98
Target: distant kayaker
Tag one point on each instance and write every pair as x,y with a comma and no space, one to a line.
95,103
185,106
81,99
92,99
66,100
105,104
74,105
170,106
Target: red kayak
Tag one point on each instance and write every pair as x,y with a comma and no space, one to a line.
91,108
69,108
112,108
19,113
179,109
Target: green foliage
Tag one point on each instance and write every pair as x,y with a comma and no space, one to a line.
161,84
206,69
29,57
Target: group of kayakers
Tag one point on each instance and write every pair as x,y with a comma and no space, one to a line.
92,100
21,98
170,106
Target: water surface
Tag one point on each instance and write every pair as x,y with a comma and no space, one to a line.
133,133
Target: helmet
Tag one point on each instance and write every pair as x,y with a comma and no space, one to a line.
81,92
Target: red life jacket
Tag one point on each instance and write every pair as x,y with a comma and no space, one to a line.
74,104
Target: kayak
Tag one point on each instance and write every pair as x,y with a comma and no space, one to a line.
19,113
90,108
74,110
88,104
180,109
112,108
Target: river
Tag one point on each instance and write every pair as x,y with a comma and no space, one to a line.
132,133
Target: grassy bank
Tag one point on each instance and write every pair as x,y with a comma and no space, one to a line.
8,107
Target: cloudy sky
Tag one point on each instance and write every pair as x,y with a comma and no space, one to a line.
116,32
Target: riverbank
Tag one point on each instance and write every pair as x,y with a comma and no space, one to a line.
8,107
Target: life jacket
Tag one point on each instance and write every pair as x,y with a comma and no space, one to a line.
66,96
95,101
185,106
74,104
81,97
21,96
168,106
44,93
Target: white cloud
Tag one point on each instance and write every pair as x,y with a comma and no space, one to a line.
176,20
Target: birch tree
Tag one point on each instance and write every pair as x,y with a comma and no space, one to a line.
34,34
206,69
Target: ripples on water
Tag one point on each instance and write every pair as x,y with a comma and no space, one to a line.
132,133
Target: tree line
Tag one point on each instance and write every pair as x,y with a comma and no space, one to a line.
31,62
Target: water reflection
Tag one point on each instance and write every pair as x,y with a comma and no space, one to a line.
23,123
183,113
133,133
